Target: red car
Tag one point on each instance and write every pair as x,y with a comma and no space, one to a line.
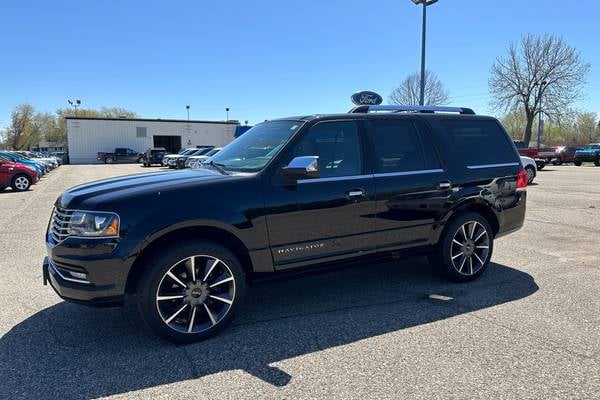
18,176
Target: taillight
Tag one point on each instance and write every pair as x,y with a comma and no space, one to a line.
521,180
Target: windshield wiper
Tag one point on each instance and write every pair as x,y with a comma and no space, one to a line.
218,166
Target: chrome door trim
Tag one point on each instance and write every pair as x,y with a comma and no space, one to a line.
512,164
404,173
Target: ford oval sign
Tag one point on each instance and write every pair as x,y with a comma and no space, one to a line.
366,98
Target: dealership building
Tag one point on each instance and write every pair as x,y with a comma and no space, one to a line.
86,136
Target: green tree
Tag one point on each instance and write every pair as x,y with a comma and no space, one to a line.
21,132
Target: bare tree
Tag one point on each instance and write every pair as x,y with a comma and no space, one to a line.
535,69
408,93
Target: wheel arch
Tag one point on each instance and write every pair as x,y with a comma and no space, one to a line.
198,232
473,206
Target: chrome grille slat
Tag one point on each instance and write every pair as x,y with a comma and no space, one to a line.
59,226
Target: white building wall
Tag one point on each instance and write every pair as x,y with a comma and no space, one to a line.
87,137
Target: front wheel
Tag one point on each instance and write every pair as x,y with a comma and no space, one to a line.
108,160
20,183
465,248
557,161
191,292
597,163
577,163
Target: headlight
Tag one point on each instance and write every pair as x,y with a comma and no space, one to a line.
94,224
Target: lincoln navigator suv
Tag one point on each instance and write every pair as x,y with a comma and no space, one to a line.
298,193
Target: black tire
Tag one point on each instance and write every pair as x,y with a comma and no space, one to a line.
206,307
557,161
597,163
540,165
471,268
108,160
577,163
20,183
530,171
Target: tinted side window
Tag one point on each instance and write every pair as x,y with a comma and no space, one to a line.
480,142
399,147
338,146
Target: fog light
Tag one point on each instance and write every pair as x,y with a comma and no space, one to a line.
78,275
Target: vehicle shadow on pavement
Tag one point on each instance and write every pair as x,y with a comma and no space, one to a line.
71,351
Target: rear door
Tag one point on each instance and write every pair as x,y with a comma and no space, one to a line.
411,182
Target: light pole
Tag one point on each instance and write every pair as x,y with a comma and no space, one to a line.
74,104
227,113
188,111
425,3
540,127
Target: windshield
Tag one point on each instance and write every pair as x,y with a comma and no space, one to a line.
253,150
593,146
212,152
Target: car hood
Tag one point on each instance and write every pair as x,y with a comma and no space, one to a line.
18,166
115,188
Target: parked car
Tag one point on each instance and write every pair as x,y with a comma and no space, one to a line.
153,155
167,158
590,153
120,155
192,161
530,168
290,194
181,160
565,154
49,162
16,175
45,164
10,156
541,155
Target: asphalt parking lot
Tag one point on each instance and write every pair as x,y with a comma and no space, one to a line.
529,328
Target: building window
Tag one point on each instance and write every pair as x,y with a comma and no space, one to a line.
141,131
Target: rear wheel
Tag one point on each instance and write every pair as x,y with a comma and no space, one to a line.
577,163
557,161
597,163
20,183
191,292
465,248
530,174
540,164
108,160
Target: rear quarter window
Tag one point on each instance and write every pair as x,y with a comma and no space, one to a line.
480,142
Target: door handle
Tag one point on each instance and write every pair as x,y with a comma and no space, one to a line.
354,193
444,185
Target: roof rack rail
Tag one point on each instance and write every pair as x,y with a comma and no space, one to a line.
423,109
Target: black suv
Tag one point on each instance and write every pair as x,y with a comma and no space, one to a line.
290,194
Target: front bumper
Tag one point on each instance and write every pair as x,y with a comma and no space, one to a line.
92,272
79,292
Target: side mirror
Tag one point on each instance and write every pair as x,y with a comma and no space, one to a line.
302,167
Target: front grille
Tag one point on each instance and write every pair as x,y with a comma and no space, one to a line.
59,225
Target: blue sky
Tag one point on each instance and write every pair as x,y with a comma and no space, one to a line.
264,58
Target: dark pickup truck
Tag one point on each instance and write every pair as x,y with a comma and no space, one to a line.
121,155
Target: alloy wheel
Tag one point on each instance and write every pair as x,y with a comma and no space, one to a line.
195,294
21,183
470,248
530,175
